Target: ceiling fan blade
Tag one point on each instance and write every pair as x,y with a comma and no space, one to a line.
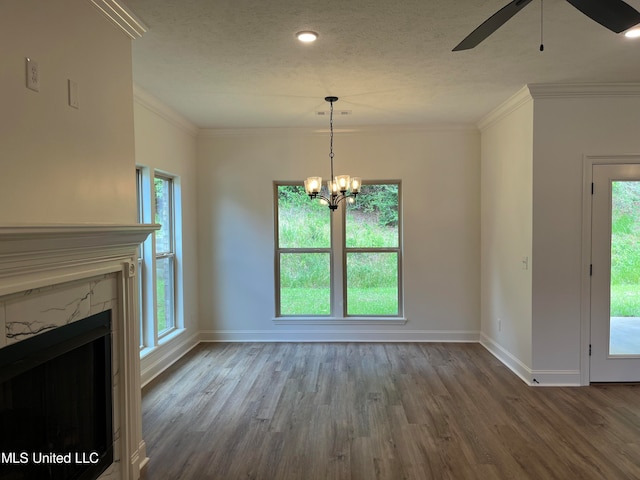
615,15
491,24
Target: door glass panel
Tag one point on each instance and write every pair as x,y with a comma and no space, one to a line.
624,334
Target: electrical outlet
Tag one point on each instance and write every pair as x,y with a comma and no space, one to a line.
33,75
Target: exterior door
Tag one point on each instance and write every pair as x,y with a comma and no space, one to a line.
615,274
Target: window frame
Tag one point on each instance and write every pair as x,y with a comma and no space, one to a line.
150,338
298,250
338,264
141,267
398,250
169,255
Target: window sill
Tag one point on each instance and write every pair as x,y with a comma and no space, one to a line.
166,338
146,351
339,321
162,341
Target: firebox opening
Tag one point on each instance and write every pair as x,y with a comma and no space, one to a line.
56,403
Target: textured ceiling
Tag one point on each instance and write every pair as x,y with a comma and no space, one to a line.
236,63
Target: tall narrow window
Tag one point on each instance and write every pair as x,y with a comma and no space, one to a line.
372,252
159,259
345,264
165,254
141,279
303,254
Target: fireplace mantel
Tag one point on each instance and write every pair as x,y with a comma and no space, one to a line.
90,267
28,252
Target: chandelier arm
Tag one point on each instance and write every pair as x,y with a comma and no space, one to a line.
318,196
344,197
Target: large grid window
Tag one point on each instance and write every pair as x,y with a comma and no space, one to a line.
345,264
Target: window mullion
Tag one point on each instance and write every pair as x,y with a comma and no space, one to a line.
338,263
303,250
372,249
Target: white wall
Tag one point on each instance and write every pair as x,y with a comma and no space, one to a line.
565,130
439,169
506,223
166,142
60,164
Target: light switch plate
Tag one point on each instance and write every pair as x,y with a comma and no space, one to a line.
73,94
33,75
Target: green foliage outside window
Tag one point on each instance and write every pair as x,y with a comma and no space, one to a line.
625,249
380,201
372,278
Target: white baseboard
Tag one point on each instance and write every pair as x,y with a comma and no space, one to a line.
163,356
510,361
338,336
556,378
535,378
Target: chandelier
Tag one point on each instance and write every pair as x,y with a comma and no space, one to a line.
338,188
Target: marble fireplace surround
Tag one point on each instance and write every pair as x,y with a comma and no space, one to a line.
57,274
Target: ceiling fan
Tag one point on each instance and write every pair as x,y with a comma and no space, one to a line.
615,15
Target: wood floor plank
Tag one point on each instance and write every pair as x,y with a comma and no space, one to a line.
363,411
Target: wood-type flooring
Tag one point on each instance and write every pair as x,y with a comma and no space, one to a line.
347,411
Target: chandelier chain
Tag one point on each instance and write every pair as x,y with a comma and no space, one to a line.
338,189
331,138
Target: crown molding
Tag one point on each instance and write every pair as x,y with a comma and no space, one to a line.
517,100
148,101
122,17
537,91
581,90
353,130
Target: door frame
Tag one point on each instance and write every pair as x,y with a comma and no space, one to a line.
585,276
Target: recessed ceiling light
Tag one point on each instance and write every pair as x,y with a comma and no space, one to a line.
633,33
307,36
